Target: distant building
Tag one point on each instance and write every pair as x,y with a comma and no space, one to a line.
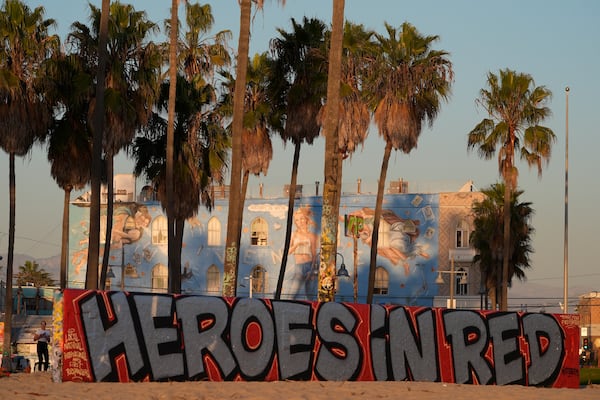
420,234
589,314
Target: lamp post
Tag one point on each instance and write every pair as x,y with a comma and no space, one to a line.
452,272
342,272
251,284
566,248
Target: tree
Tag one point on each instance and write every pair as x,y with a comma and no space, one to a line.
31,273
91,275
174,266
298,87
234,217
333,160
132,80
68,87
516,107
406,83
257,148
488,237
200,145
24,115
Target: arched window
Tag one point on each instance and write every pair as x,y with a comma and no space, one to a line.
462,235
384,234
259,279
461,282
160,278
214,232
259,232
159,230
213,279
382,281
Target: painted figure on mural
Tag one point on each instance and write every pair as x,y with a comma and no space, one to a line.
129,224
303,246
399,238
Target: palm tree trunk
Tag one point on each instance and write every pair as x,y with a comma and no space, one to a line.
91,276
64,251
506,250
110,204
177,244
173,268
376,220
332,170
290,220
230,267
8,304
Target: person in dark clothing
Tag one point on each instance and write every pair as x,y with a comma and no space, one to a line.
42,336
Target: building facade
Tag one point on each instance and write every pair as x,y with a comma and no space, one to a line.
422,237
589,314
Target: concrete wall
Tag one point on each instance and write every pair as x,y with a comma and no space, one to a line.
119,336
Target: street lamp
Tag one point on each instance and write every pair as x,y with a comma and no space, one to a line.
452,272
342,272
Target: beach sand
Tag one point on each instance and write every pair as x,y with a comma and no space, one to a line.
23,386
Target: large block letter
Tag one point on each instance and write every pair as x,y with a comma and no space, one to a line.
413,353
379,342
108,338
204,329
295,339
546,348
467,333
340,355
508,362
254,359
156,317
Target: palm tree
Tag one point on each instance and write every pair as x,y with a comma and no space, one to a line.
174,266
299,83
234,217
132,78
31,272
407,81
516,107
68,86
352,129
24,115
488,235
257,149
91,276
200,146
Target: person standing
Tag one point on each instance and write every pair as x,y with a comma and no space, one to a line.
42,336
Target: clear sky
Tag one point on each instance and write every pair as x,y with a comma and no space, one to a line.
557,42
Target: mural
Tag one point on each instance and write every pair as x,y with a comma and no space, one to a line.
407,261
120,336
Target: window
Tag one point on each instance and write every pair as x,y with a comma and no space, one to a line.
384,234
462,235
159,230
461,282
214,232
160,277
382,281
213,279
259,279
260,232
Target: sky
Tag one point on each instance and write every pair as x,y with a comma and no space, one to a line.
557,42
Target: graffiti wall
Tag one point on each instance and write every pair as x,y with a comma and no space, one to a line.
137,254
120,336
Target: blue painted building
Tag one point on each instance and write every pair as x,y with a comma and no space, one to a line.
418,233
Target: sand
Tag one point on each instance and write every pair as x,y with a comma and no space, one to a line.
23,386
